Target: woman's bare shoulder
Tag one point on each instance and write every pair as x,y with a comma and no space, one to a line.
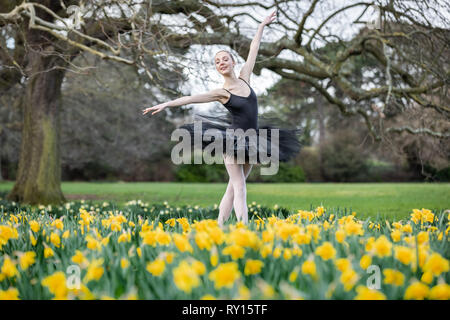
221,94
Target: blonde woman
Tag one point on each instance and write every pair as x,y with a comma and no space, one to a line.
238,97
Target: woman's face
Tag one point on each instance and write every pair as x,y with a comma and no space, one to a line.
224,63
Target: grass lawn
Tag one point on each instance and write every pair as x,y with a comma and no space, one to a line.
393,200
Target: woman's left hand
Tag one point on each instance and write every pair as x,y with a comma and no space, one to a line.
270,18
155,109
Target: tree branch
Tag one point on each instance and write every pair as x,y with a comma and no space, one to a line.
426,131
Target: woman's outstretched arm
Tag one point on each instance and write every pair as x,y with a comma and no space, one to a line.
210,96
247,69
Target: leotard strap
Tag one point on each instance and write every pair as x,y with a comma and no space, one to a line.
245,82
242,80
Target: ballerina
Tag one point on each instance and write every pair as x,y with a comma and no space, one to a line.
239,98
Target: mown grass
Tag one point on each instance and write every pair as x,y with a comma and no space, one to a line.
390,200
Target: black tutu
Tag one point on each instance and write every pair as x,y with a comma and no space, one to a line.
258,148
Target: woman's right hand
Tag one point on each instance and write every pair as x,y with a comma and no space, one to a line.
155,109
270,18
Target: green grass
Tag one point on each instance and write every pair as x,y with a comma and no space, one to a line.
393,200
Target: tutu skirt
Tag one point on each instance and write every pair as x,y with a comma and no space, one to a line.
276,142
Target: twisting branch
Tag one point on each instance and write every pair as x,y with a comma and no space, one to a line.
419,131
35,22
301,26
367,4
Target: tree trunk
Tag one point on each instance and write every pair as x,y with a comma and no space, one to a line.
321,120
1,177
39,174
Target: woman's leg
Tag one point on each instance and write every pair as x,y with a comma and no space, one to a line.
237,179
226,204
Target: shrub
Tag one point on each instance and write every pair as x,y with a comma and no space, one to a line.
443,175
201,173
309,161
342,157
218,173
286,173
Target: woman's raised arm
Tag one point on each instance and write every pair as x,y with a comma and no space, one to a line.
210,96
247,69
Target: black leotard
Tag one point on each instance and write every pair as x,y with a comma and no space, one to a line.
243,114
244,110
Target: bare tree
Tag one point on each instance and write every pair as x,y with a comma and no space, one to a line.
411,53
48,35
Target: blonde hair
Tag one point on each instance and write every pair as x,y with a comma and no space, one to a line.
232,58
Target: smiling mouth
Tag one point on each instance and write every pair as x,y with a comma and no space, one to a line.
223,68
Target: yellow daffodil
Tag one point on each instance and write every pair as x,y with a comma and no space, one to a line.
185,277
27,259
156,267
253,267
225,275
9,294
393,277
365,293
416,291
326,251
